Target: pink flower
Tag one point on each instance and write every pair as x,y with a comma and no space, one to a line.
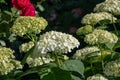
26,7
72,29
77,10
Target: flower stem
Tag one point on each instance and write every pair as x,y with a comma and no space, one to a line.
114,26
42,59
57,59
102,62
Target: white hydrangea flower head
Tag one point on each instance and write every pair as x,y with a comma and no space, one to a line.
100,36
32,62
97,77
7,61
26,46
112,68
112,6
55,41
93,18
81,54
27,24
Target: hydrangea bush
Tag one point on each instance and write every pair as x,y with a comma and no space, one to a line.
57,55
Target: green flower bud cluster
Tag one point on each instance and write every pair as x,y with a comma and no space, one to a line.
26,46
94,18
7,61
84,30
112,68
27,25
97,77
100,37
55,41
112,6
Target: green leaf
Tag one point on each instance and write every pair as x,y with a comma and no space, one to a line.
75,77
104,22
117,45
12,37
110,45
4,26
26,55
14,10
57,74
7,16
41,8
73,65
2,1
2,43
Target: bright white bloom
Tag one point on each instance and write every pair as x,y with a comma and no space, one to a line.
100,36
112,6
112,68
7,61
97,77
26,46
32,62
55,41
94,18
81,54
26,25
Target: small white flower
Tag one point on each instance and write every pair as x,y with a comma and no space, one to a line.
81,54
101,36
112,6
7,61
97,77
32,62
55,41
26,46
112,68
94,18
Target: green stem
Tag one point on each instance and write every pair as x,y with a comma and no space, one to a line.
57,59
42,59
115,29
91,66
102,62
114,26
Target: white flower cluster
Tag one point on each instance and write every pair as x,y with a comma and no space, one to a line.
7,61
112,6
26,46
112,68
32,62
94,18
55,41
100,36
81,54
97,77
27,24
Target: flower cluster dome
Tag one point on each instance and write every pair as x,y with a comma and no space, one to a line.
26,46
112,6
27,24
55,41
97,77
7,61
81,54
112,68
100,36
93,18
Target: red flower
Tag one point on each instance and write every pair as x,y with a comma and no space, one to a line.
28,11
26,7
